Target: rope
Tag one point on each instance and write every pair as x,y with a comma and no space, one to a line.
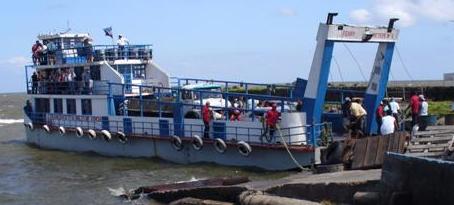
338,69
290,153
356,61
403,64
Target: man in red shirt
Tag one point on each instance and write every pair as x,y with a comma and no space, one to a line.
414,105
379,115
206,116
271,119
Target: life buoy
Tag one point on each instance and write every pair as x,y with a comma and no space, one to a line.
122,137
46,128
61,130
91,134
176,143
197,142
220,145
79,132
106,135
244,148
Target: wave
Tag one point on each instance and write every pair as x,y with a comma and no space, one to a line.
11,121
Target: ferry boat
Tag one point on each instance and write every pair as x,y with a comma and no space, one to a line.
115,101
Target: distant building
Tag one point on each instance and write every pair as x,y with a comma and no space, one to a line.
448,76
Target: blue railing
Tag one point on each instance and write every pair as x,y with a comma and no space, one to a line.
118,91
251,135
87,54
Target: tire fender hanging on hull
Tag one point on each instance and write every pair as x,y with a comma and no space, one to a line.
197,142
46,128
122,137
220,145
244,148
79,132
176,142
91,134
106,135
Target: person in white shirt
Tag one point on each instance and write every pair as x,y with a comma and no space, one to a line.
395,108
424,109
122,42
388,125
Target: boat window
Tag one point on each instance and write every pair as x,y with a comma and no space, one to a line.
70,106
139,71
124,69
42,105
95,72
58,106
86,106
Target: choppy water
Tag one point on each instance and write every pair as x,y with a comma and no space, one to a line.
29,175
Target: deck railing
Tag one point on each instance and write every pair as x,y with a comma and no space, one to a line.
173,97
87,54
313,133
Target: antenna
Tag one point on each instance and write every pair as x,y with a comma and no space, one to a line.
68,28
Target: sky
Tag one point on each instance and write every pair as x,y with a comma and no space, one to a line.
270,41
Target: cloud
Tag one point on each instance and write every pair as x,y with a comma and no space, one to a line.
360,15
408,11
17,61
287,12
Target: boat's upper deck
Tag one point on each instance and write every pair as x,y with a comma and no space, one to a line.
63,49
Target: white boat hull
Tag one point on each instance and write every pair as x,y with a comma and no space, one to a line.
268,158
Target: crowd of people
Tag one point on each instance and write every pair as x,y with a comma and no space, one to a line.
61,81
388,114
45,52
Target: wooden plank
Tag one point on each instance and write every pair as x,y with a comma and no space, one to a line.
433,132
359,153
371,151
433,139
402,141
395,140
382,147
427,146
425,154
390,143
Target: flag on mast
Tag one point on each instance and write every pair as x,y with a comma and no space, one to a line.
108,32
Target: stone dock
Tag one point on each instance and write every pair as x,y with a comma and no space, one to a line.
402,180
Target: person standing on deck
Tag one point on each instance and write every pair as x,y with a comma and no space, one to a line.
359,115
122,42
395,109
36,50
299,106
206,116
380,113
415,106
346,114
271,119
424,109
34,83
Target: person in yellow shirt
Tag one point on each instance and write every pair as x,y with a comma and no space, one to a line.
359,115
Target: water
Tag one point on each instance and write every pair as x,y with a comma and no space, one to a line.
29,175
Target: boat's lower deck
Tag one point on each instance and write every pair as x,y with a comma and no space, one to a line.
268,157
